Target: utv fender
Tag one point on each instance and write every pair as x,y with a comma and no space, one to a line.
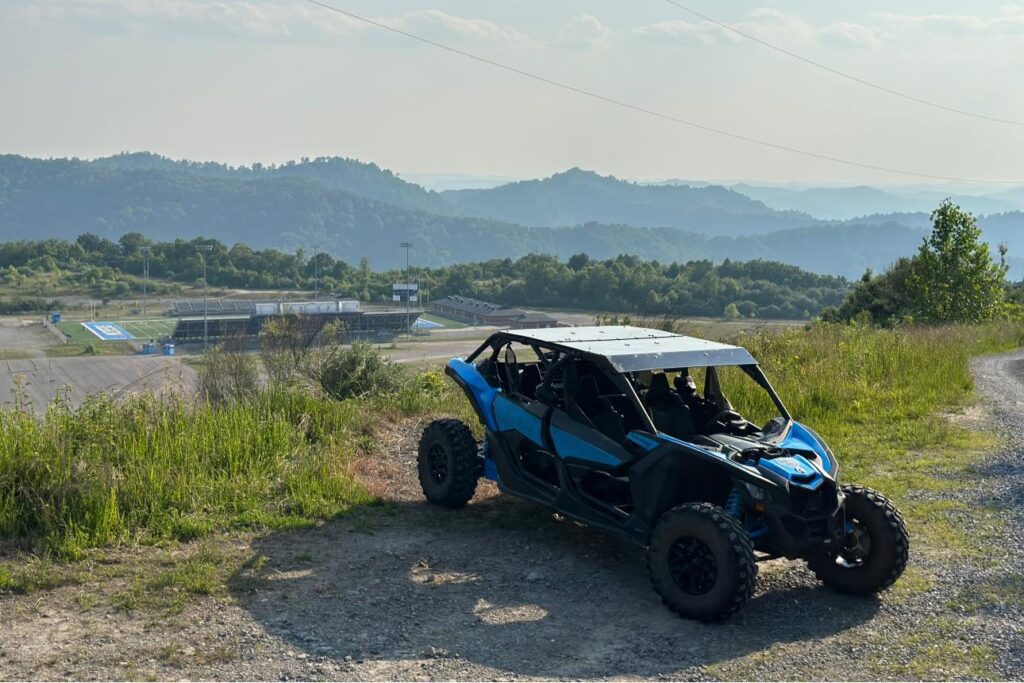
480,394
675,473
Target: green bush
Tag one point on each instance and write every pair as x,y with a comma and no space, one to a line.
356,371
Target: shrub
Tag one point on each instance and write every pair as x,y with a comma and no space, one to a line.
356,371
288,346
229,374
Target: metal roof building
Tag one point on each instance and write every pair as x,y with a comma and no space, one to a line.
476,312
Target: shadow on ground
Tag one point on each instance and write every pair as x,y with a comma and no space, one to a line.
530,596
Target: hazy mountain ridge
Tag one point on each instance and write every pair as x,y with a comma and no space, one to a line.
301,205
842,203
578,196
351,175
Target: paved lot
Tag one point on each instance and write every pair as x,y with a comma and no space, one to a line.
24,337
41,379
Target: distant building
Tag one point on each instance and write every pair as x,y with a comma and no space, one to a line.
475,312
245,319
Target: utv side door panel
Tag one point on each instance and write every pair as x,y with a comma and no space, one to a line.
514,415
581,444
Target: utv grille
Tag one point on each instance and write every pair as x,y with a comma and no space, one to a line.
821,502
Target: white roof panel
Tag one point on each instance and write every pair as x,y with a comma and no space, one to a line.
630,349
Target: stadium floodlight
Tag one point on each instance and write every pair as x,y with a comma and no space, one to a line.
408,321
145,275
203,250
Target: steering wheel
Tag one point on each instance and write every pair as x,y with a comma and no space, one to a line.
724,418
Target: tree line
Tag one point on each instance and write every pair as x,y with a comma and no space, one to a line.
953,278
757,289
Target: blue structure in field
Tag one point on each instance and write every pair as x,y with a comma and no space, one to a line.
55,317
109,331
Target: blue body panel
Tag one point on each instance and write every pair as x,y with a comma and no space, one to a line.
490,470
512,417
568,445
796,469
801,438
643,441
479,391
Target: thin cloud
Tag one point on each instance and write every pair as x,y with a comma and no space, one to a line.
435,23
586,32
254,20
768,24
1009,21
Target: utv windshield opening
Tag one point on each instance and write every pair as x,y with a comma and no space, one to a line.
690,402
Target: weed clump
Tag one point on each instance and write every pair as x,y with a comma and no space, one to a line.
357,371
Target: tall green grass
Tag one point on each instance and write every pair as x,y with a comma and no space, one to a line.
152,468
873,393
882,399
147,469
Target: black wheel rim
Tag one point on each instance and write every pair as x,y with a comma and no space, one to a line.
437,463
856,547
692,565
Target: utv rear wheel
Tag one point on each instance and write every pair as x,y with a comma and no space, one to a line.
875,549
701,562
448,463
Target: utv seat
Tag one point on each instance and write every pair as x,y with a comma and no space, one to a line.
668,412
529,381
599,410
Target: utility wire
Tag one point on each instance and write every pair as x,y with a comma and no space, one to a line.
651,112
842,74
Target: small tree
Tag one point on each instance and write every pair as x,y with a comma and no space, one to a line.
288,344
731,312
954,278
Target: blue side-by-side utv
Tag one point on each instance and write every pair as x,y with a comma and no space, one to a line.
606,425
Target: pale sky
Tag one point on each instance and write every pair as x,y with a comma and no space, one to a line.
270,80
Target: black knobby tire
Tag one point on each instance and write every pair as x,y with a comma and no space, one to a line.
448,463
701,562
887,545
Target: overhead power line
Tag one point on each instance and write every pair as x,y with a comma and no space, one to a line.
651,112
842,74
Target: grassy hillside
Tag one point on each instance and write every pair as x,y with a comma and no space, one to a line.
148,469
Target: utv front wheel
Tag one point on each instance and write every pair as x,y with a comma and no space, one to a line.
875,548
701,562
448,463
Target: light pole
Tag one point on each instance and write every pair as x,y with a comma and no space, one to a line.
145,275
408,321
203,250
316,274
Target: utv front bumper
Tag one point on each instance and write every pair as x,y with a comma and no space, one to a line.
805,523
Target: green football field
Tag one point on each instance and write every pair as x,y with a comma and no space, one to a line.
149,329
142,330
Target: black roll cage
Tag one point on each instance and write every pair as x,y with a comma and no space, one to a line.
557,356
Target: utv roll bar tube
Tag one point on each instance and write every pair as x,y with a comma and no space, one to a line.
497,340
758,376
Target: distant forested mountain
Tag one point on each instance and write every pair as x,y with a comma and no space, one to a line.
350,175
352,210
578,196
841,203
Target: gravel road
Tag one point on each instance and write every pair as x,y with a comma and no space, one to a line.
505,590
